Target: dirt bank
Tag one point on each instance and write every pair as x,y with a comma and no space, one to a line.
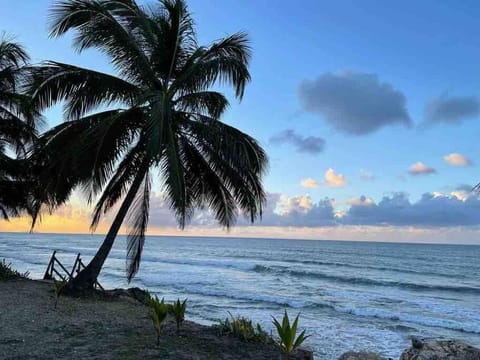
98,328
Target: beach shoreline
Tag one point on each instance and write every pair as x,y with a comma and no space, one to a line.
102,327
350,296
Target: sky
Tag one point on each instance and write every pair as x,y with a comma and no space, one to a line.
368,111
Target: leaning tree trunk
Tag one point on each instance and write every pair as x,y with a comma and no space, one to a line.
86,278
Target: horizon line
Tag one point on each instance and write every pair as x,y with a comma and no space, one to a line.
251,238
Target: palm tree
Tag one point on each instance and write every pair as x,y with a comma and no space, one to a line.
17,129
159,117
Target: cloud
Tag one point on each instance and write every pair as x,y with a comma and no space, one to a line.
162,215
310,183
464,187
456,159
361,201
310,144
280,210
332,179
286,213
463,192
296,211
420,168
366,175
431,210
354,103
451,110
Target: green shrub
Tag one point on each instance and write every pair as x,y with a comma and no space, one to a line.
177,309
243,328
7,273
159,314
288,339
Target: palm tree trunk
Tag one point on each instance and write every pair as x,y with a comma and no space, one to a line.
87,277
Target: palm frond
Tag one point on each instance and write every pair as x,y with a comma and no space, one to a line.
14,131
104,25
83,89
119,182
209,103
236,158
60,161
174,174
226,62
105,144
138,219
206,188
12,54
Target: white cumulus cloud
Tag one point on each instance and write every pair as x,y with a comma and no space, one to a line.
310,183
419,168
456,159
332,179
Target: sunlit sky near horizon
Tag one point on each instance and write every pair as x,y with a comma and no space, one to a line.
368,110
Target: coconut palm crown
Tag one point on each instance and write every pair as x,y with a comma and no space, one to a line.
157,118
17,129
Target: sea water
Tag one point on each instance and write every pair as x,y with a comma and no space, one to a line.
350,295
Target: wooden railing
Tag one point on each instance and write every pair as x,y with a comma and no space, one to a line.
64,274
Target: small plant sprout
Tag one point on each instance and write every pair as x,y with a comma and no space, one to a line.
159,315
177,309
288,341
58,286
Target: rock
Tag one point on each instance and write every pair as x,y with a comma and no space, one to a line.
417,343
360,355
132,293
302,354
441,350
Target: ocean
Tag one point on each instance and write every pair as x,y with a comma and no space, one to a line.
350,295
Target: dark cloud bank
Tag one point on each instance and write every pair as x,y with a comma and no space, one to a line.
394,210
429,211
451,110
354,103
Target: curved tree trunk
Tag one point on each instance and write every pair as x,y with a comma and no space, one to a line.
86,278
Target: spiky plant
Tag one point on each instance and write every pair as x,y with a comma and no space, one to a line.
158,116
177,309
159,315
288,339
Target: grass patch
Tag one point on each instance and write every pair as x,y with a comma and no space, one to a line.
244,329
7,273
